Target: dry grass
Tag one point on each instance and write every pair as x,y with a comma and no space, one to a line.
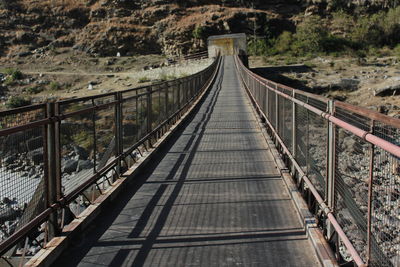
54,3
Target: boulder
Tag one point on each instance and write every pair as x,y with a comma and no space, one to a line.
13,141
9,159
392,89
81,152
9,214
69,166
349,144
36,156
83,165
24,54
34,143
348,84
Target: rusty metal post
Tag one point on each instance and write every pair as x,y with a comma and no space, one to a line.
184,90
179,93
94,139
52,192
276,114
330,183
268,104
166,101
58,152
118,131
294,131
149,111
138,126
370,195
197,85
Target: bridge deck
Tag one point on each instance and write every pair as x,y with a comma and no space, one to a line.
215,198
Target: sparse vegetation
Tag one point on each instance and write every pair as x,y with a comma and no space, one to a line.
283,43
396,50
257,47
310,64
310,36
5,4
15,74
17,101
12,75
343,33
144,79
198,32
166,77
54,86
84,139
33,90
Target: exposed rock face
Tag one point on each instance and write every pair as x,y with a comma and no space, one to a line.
106,27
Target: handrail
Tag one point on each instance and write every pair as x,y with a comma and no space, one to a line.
100,132
271,99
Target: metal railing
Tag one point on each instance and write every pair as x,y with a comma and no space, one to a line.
57,158
345,162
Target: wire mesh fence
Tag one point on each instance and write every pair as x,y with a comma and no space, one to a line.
350,155
23,169
301,130
317,152
58,157
351,188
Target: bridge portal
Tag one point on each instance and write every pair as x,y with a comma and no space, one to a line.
227,44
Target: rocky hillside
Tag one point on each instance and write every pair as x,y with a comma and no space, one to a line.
105,27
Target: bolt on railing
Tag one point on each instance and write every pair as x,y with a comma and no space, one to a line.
345,162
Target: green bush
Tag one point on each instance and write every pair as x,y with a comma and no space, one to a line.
338,5
84,139
342,33
310,36
368,32
360,55
198,32
342,22
284,42
33,90
15,74
9,80
54,86
380,29
310,64
257,47
391,26
290,60
17,101
396,51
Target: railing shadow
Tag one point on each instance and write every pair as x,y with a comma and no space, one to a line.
89,239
